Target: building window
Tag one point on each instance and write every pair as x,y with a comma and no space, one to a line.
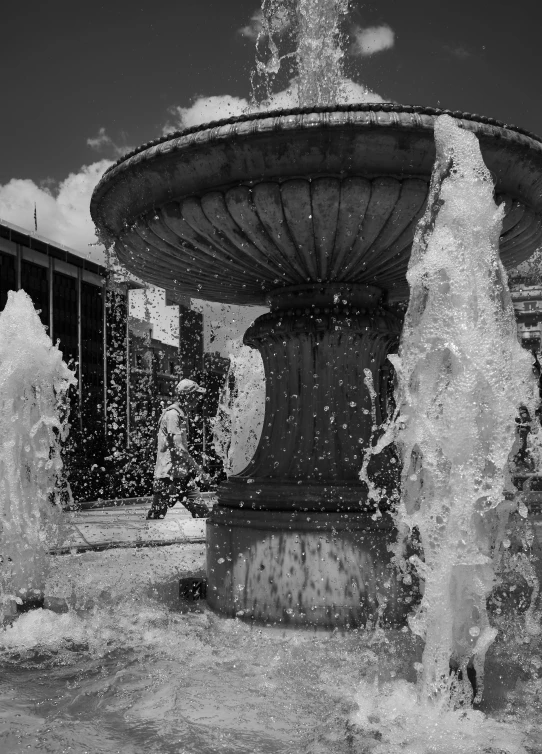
530,343
35,281
92,337
8,277
65,315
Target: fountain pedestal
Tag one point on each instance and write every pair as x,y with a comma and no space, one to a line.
320,569
292,537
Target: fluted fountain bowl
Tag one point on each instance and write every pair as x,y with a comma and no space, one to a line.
233,210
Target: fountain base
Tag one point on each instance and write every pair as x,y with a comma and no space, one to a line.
328,570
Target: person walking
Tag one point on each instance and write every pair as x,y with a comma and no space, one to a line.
176,470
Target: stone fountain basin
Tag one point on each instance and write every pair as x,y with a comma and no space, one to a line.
233,210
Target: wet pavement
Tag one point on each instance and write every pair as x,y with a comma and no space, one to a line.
126,526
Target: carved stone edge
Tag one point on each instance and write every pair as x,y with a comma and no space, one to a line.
281,520
396,116
318,114
293,322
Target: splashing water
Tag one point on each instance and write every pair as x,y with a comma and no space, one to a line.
306,35
461,376
319,53
238,424
126,670
277,18
33,381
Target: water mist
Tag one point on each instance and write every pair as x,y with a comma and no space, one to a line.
33,382
461,375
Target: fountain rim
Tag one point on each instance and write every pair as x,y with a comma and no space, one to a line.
391,107
219,129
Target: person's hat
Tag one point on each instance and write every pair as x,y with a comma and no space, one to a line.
189,386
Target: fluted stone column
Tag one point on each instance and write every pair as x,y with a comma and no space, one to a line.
310,548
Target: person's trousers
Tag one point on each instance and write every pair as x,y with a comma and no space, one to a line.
168,492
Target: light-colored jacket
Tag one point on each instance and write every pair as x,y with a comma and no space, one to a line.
173,459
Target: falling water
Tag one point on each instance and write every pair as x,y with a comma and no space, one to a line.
319,52
461,376
306,35
33,381
238,424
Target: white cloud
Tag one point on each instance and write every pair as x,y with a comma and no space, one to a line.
373,39
277,23
205,110
217,107
62,211
253,28
352,93
104,143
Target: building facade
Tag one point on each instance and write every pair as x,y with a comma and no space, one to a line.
69,293
124,376
527,299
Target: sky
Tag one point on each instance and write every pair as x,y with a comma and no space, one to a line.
82,82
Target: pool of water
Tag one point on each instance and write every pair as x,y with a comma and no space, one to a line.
121,666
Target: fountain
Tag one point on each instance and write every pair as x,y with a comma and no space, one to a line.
311,211
315,212
461,374
33,384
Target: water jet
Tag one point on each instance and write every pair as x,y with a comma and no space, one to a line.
34,381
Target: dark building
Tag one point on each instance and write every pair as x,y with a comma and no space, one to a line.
190,342
69,293
527,299
124,376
